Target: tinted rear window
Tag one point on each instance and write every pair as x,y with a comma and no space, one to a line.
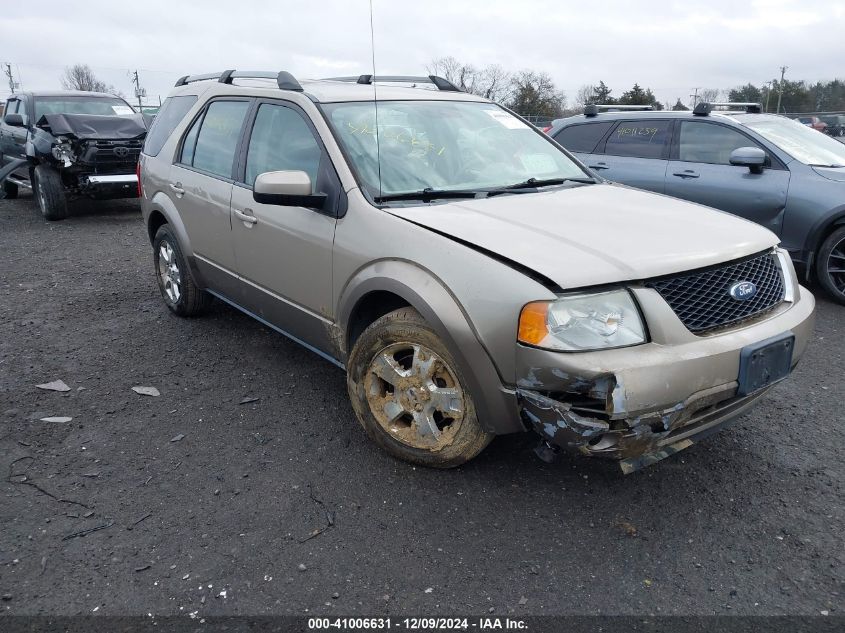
169,116
583,137
643,139
218,137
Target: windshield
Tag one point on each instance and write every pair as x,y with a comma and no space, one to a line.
801,142
81,105
443,145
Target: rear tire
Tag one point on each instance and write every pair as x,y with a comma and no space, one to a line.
830,259
409,394
177,287
50,193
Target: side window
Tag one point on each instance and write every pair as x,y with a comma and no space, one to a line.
171,114
643,139
280,141
11,106
582,137
217,139
708,143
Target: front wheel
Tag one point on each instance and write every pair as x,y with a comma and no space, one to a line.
830,265
178,289
50,193
409,394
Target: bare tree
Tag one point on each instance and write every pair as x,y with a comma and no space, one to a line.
710,95
491,82
584,95
81,77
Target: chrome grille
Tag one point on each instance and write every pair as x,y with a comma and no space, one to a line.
702,299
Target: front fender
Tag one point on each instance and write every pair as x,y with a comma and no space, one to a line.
496,405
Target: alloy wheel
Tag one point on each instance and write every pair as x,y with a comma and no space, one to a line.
168,270
415,396
836,265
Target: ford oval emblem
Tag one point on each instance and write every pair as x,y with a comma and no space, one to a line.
743,291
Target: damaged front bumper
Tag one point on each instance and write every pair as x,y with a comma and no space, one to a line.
641,404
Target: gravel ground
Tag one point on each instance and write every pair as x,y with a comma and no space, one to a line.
195,502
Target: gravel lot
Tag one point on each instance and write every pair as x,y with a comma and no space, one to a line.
281,505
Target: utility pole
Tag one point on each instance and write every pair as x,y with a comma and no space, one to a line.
8,73
139,92
694,98
780,92
769,83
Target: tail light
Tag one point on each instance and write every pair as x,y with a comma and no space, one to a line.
138,174
546,129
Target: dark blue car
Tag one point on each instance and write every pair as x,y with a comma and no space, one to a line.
763,167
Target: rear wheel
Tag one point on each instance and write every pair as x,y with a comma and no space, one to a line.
177,287
830,265
50,193
409,395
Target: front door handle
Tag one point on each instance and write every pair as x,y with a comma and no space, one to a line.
687,173
177,189
599,166
245,216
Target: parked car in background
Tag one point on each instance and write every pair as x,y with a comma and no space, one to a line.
835,124
766,168
67,144
470,277
812,121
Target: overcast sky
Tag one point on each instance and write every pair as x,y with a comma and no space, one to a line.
669,46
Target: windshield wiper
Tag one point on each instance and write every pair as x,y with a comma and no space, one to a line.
533,183
428,194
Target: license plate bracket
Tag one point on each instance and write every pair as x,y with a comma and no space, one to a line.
765,363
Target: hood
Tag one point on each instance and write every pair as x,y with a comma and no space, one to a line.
831,173
94,126
596,234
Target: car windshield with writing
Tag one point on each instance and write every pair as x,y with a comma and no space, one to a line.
105,106
801,142
440,147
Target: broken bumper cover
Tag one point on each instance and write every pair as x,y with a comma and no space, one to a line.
643,403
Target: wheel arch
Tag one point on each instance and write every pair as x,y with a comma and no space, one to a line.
818,234
386,285
161,211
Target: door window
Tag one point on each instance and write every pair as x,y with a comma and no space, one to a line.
642,139
281,141
583,137
709,143
212,141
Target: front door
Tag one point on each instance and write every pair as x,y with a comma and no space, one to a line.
284,253
700,171
201,185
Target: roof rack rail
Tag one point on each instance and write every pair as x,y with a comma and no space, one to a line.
593,109
439,82
284,79
703,108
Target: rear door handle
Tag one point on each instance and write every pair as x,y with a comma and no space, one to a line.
177,189
245,216
599,166
688,173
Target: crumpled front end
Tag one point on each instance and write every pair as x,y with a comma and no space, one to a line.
640,404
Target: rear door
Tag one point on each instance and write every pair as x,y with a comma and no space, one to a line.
700,171
201,187
284,253
635,153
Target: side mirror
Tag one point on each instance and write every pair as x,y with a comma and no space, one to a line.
752,157
287,189
13,119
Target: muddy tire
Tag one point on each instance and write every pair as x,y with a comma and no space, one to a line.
177,287
50,193
409,394
10,190
830,265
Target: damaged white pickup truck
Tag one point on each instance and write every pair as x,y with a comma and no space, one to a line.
68,144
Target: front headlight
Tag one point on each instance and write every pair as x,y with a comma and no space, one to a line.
575,323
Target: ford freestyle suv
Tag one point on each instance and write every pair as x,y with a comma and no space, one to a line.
763,167
67,144
470,276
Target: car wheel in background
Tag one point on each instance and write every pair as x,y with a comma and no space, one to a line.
830,265
177,287
409,395
50,193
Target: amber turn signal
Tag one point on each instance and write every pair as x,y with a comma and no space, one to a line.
532,323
